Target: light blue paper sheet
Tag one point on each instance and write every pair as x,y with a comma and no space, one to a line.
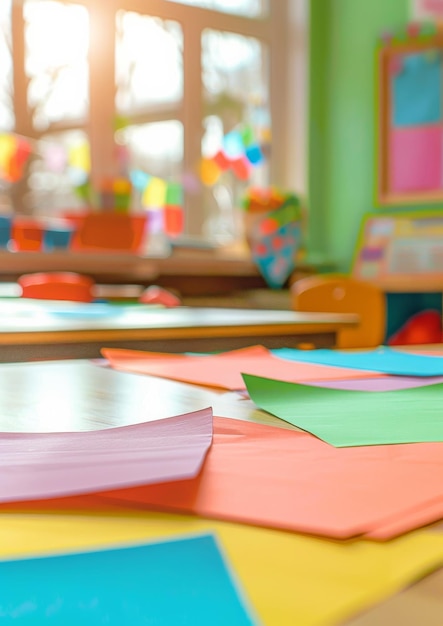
417,90
384,360
174,583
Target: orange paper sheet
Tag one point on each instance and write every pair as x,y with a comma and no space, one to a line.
284,479
417,517
289,480
225,370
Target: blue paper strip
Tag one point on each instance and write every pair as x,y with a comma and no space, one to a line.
383,359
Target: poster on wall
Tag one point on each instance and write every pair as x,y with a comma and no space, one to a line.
401,248
426,10
409,152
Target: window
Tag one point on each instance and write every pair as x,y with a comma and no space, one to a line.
195,94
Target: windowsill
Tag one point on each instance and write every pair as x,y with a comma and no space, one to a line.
190,272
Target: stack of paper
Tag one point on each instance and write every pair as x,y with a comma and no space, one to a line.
367,465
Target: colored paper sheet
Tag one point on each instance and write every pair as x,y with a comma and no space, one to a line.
224,370
43,465
417,89
381,383
180,581
383,359
354,418
283,574
416,159
290,480
418,517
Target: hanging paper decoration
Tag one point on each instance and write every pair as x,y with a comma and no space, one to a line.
222,161
139,179
79,167
254,154
19,159
233,145
275,254
241,168
209,172
240,151
155,193
174,220
174,194
7,147
79,156
14,154
247,135
274,233
155,221
115,194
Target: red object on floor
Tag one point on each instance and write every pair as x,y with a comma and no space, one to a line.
422,328
158,295
57,286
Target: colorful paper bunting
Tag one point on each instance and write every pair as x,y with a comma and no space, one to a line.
233,146
14,153
209,172
174,194
241,168
155,193
139,179
254,154
79,156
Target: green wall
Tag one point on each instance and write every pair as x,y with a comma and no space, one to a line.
343,36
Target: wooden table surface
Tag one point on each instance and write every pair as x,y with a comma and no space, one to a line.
38,329
81,395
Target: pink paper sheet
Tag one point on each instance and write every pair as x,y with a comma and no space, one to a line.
416,163
290,480
45,465
224,370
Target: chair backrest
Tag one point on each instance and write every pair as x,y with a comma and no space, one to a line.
57,286
336,293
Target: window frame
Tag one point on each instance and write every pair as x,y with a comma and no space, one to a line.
283,31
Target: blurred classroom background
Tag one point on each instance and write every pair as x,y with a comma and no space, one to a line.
230,148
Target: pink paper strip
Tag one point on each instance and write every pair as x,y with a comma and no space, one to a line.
46,465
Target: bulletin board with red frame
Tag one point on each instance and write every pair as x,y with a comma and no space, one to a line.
409,120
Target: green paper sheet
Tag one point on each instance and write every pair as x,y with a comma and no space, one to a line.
346,418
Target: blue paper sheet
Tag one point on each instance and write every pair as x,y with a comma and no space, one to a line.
177,582
384,360
417,89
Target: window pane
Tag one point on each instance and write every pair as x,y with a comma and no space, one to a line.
233,66
57,43
149,63
250,8
237,121
6,106
156,148
56,171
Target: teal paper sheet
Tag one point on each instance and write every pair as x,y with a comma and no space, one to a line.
346,418
178,582
384,360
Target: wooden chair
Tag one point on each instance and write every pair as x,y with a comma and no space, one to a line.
336,293
57,286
